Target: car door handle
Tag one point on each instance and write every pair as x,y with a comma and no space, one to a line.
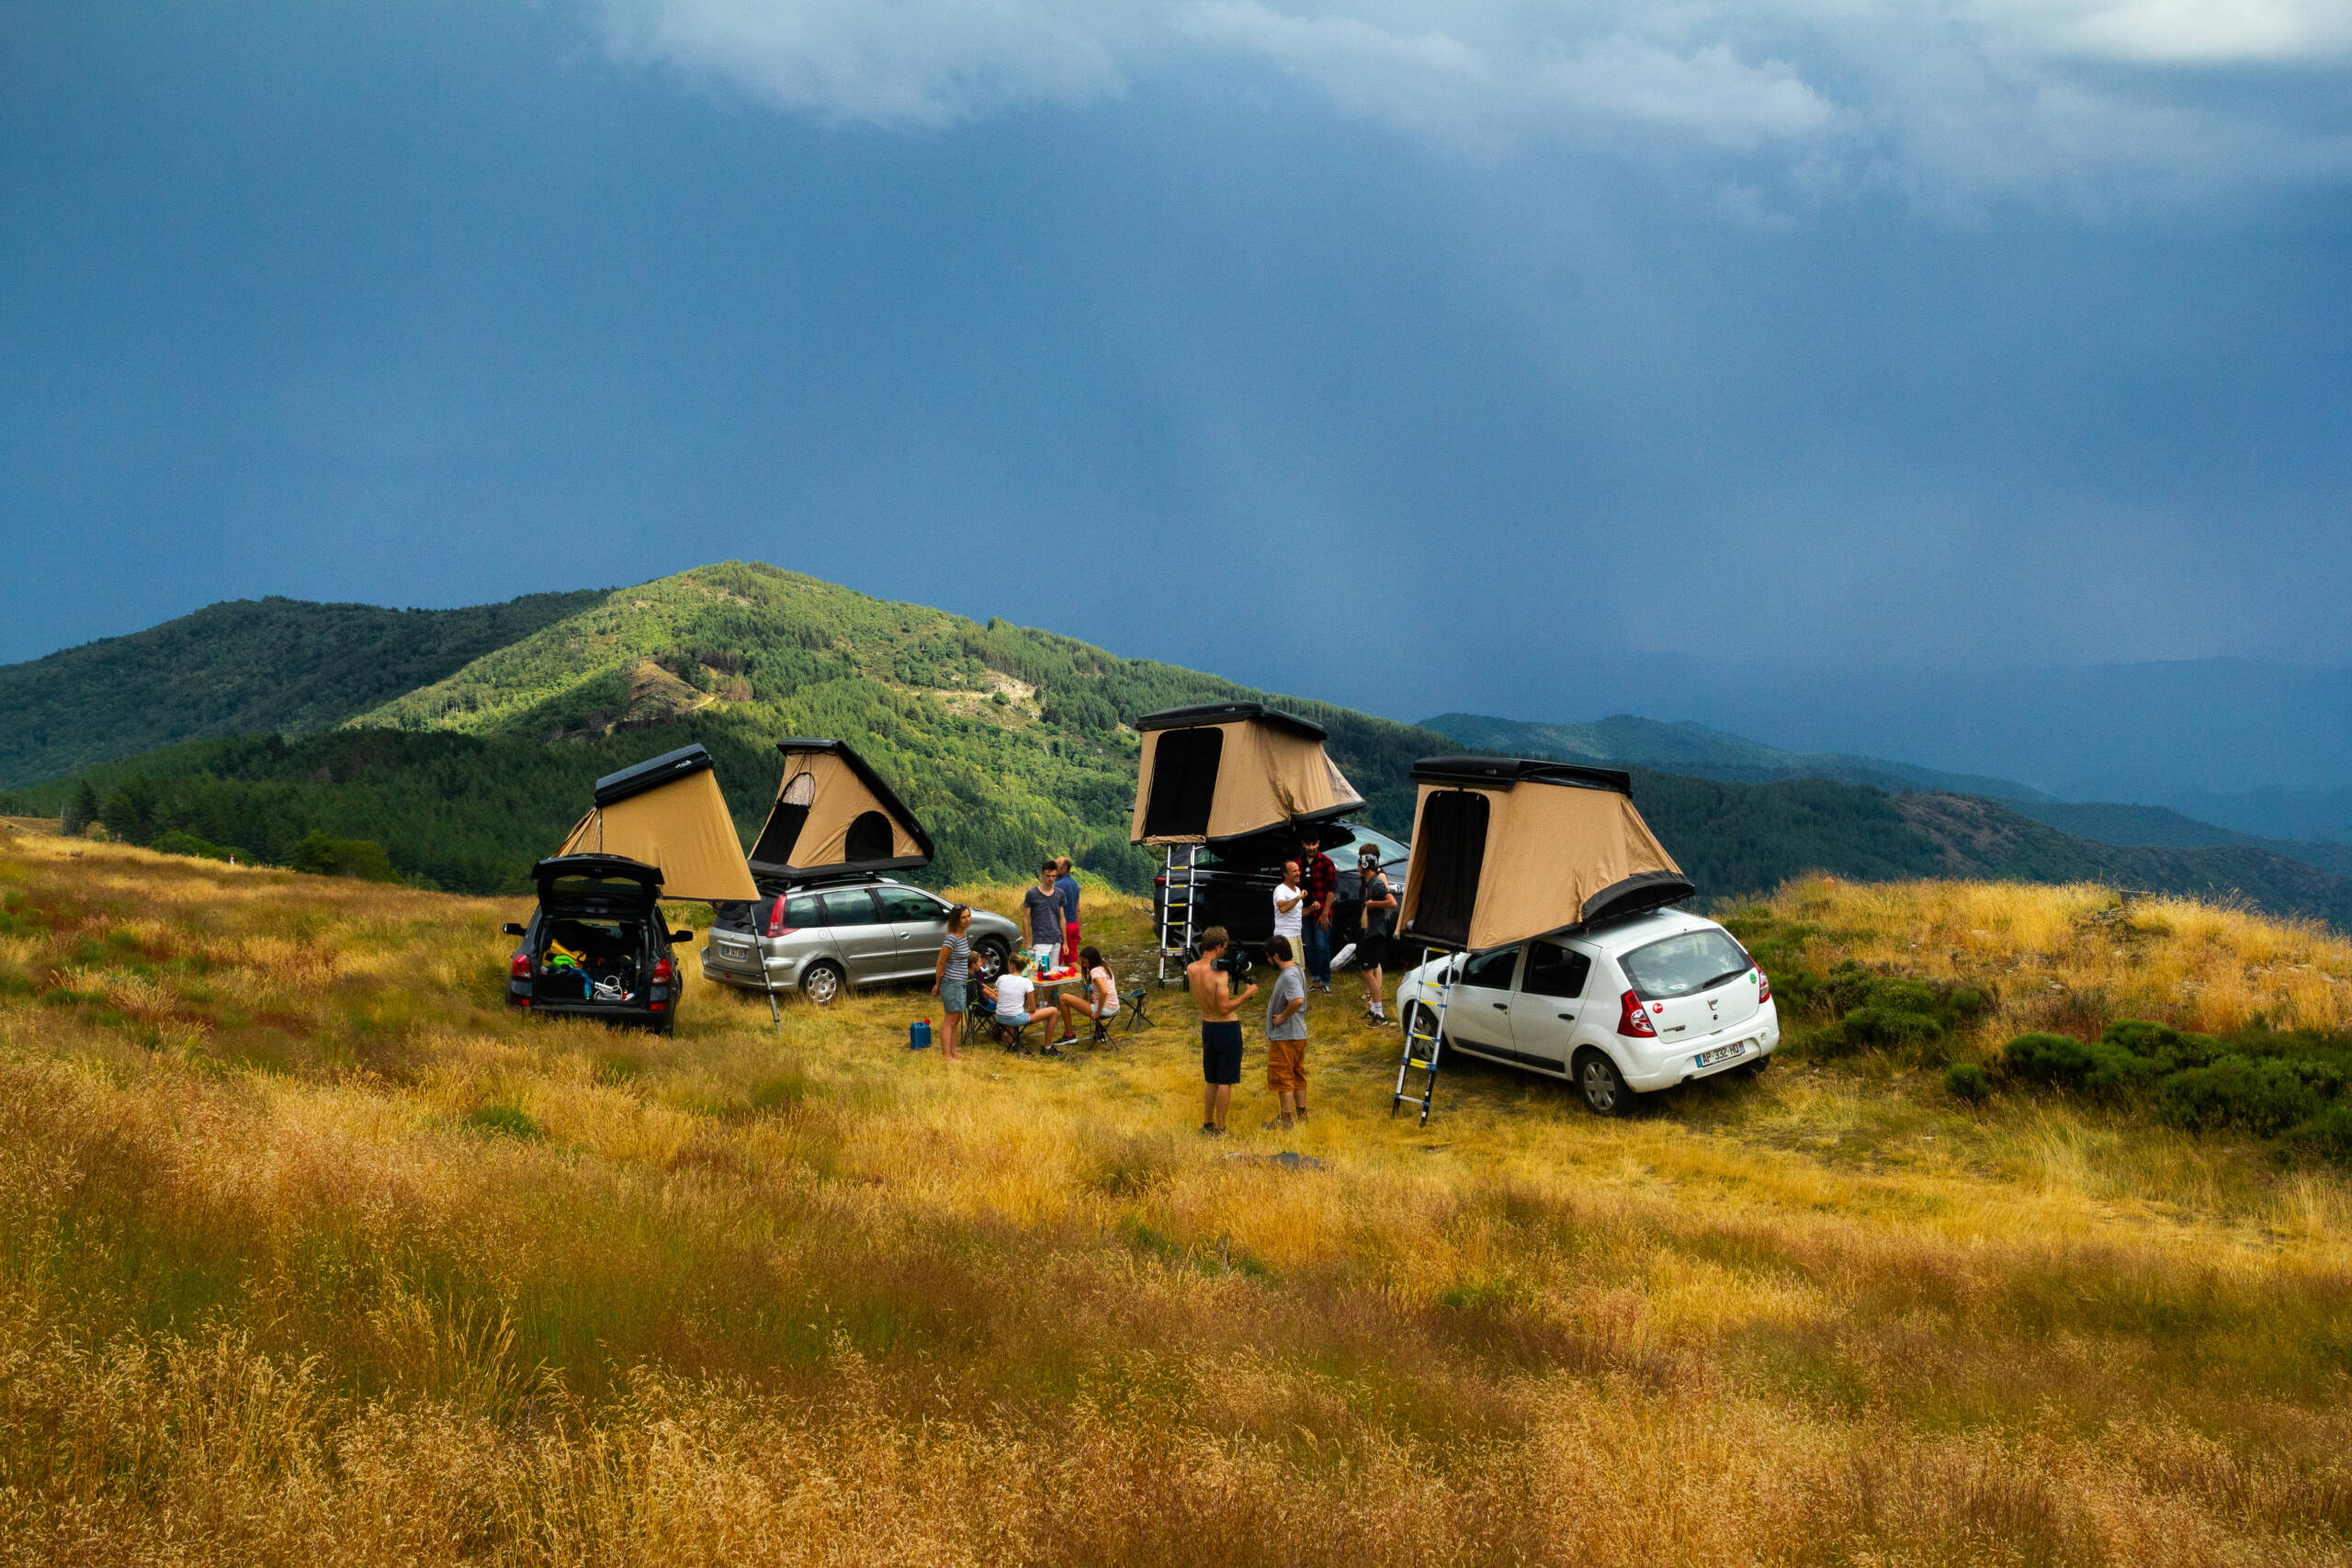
1567,1016
1499,1007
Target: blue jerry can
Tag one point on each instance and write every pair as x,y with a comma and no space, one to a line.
919,1035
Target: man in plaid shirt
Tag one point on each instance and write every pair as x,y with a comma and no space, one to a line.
1321,888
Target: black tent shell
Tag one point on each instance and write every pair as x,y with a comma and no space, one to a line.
652,773
1228,713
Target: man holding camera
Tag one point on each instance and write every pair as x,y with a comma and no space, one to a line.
1210,980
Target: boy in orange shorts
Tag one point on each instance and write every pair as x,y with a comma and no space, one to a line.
1286,1034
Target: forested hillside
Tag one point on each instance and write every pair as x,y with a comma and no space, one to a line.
249,666
1010,742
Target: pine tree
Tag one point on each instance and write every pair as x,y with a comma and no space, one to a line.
82,810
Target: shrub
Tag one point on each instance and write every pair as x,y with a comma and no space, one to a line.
2261,1095
1966,1080
2101,1070
2329,1134
178,843
362,858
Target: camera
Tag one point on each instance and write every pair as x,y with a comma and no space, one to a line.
1234,962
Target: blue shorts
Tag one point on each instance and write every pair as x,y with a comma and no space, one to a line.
1015,1020
951,995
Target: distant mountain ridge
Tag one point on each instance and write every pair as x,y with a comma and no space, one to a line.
1626,740
245,667
1683,746
1010,743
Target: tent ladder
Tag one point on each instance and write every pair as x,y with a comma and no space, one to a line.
1176,909
1424,1042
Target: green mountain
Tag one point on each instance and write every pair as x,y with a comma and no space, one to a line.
2159,827
1625,740
1010,742
243,668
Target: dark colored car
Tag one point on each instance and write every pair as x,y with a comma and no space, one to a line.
1234,882
598,946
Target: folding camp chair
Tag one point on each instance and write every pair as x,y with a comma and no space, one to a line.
1134,1001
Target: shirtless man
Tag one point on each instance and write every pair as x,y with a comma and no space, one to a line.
1220,1030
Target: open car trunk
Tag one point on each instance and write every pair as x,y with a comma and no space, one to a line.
593,946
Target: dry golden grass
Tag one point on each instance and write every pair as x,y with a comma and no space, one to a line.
310,1251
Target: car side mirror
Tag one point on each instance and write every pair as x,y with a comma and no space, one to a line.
682,936
512,929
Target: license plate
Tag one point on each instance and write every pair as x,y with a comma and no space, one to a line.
1723,1053
731,951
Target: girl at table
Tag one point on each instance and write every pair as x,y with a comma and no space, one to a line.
1098,1001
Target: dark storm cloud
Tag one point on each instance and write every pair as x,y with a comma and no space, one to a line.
1394,353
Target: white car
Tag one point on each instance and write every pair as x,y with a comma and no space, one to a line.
1637,1004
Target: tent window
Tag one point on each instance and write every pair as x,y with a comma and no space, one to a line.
783,830
869,837
1183,782
1453,840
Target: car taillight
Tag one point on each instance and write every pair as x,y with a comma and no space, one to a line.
662,973
1632,1020
521,967
776,920
1763,986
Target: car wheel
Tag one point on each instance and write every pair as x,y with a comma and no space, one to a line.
821,982
994,955
1415,1020
1604,1086
1755,1069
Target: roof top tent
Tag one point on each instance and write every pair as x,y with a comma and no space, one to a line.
1221,771
668,813
834,816
1224,769
1507,848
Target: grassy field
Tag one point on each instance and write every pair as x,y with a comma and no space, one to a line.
310,1251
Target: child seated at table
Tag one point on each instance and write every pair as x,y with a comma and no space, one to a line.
1011,993
1098,1001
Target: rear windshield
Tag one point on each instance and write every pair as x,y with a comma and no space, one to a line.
583,887
1681,964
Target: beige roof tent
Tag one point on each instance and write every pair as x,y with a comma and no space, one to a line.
668,812
1226,768
834,815
1505,847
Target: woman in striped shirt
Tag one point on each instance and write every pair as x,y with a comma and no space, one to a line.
951,979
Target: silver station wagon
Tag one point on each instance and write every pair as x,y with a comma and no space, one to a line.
866,930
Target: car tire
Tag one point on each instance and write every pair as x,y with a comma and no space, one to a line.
821,981
993,954
1602,1086
1755,1069
1411,1018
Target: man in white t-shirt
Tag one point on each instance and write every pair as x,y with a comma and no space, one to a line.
1287,899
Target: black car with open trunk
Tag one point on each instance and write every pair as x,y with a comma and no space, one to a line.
598,946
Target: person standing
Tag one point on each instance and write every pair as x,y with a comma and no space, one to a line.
1322,888
1289,899
1042,905
1065,886
1220,1030
1286,1036
951,978
1372,939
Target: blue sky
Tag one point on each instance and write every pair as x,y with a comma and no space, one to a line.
1380,349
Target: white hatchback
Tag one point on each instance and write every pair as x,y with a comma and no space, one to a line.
1637,1004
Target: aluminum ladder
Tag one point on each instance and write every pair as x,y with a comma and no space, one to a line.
1177,908
1424,1038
